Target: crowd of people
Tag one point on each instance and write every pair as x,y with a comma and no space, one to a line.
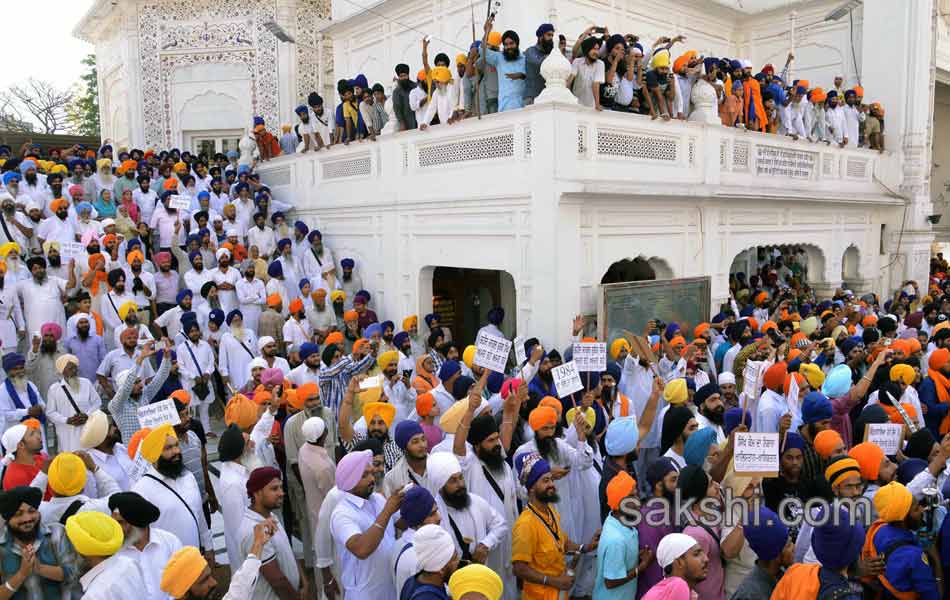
136,284
608,72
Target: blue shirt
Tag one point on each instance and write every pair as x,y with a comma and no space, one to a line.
618,553
90,353
510,91
905,568
936,410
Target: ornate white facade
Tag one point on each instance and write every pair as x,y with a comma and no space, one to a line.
175,74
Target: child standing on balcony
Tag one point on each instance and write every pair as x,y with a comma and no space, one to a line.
730,111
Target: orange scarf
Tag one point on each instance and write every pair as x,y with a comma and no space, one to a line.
800,582
942,385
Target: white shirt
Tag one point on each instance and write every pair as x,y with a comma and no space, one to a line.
59,409
194,281
116,578
146,202
417,99
233,360
232,496
676,457
703,423
42,303
369,578
52,510
144,334
117,465
482,524
324,546
585,75
164,222
56,229
152,559
175,516
228,298
277,548
302,374
441,104
296,333
188,353
404,559
262,238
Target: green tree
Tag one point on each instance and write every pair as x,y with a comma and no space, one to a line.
83,111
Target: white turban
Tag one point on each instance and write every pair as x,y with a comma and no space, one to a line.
64,360
30,205
673,546
746,63
263,341
11,439
727,378
222,252
257,362
107,222
231,232
313,428
440,467
433,545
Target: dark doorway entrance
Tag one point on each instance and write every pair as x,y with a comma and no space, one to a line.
462,298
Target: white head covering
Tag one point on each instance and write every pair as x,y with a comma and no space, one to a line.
30,205
257,362
433,545
222,252
727,377
440,467
95,430
673,546
263,341
313,428
121,377
107,222
10,439
64,360
231,232
746,63
73,320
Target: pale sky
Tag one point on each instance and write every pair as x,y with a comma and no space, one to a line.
42,33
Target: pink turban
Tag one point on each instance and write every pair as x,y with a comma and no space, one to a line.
88,237
163,257
670,588
272,376
52,329
76,190
351,467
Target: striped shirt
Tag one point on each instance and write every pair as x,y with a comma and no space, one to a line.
335,378
124,408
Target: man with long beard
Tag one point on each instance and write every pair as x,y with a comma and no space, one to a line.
711,411
69,403
405,116
534,56
236,351
396,385
42,296
149,546
19,397
57,227
174,490
511,68
542,383
32,554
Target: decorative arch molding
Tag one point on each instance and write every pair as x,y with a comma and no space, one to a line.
817,261
639,267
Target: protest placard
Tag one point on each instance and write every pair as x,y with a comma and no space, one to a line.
520,356
70,250
179,202
590,356
567,379
889,436
159,413
372,382
756,454
491,352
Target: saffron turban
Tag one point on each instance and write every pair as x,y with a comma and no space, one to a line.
774,377
617,345
182,571
893,502
621,486
869,456
826,442
676,391
410,322
384,410
387,358
542,417
813,375
476,579
93,533
240,411
903,373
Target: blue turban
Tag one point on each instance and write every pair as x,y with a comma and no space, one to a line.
166,195
258,121
301,227
193,255
697,445
216,316
658,469
303,282
495,381
274,217
766,534
400,338
670,331
613,369
429,318
308,348
691,384
183,294
26,165
849,344
778,94
275,270
241,186
496,315
405,431
84,206
538,467
361,81
792,441
622,436
12,361
232,314
719,318
373,329
416,505
746,311
72,163
188,319
838,382
461,386
448,369
703,393
315,233
347,263
243,170
388,325
283,243
850,94
204,195
731,420
544,28
710,63
301,110
10,176
233,154
816,407
837,544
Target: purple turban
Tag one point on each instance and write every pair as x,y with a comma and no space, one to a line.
349,471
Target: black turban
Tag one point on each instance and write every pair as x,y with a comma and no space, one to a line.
482,426
35,260
693,483
231,443
703,393
11,500
920,444
461,386
206,289
114,276
328,353
370,444
135,509
674,422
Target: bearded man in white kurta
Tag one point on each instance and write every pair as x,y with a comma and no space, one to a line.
69,402
236,351
42,296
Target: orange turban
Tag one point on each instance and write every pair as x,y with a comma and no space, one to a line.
307,390
126,166
797,337
351,315
59,203
793,354
869,456
542,416
902,346
913,344
424,404
760,298
620,486
170,185
273,300
137,438
553,403
296,305
938,358
136,254
700,329
869,321
826,442
31,423
677,341
774,378
818,95
769,325
241,411
682,61
859,91
261,395
494,38
319,294
334,337
410,322
798,377
896,417
182,396
359,344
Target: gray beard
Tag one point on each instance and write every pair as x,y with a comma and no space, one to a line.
19,381
313,412
73,382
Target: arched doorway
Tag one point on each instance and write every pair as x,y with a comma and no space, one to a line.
637,269
850,264
462,298
803,263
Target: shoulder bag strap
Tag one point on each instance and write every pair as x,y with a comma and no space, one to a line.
251,354
177,495
466,553
398,556
195,360
494,484
70,398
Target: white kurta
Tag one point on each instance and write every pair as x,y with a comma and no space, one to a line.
252,298
59,409
175,515
42,303
232,496
227,298
234,361
11,317
11,414
116,578
152,560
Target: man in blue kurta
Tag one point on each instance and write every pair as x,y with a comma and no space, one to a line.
511,67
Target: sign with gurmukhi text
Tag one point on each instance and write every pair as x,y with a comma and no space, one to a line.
491,352
159,413
888,436
756,454
784,162
567,379
69,250
520,355
590,356
179,202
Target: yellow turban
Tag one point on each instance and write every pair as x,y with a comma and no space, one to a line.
103,163
468,356
386,358
50,245
127,307
903,373
812,374
337,295
154,442
385,411
93,533
661,59
240,411
441,75
372,394
449,421
589,415
676,392
461,58
9,247
893,502
182,571
617,345
67,474
477,579
410,322
180,167
64,360
61,169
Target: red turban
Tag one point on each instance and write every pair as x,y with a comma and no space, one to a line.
774,378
